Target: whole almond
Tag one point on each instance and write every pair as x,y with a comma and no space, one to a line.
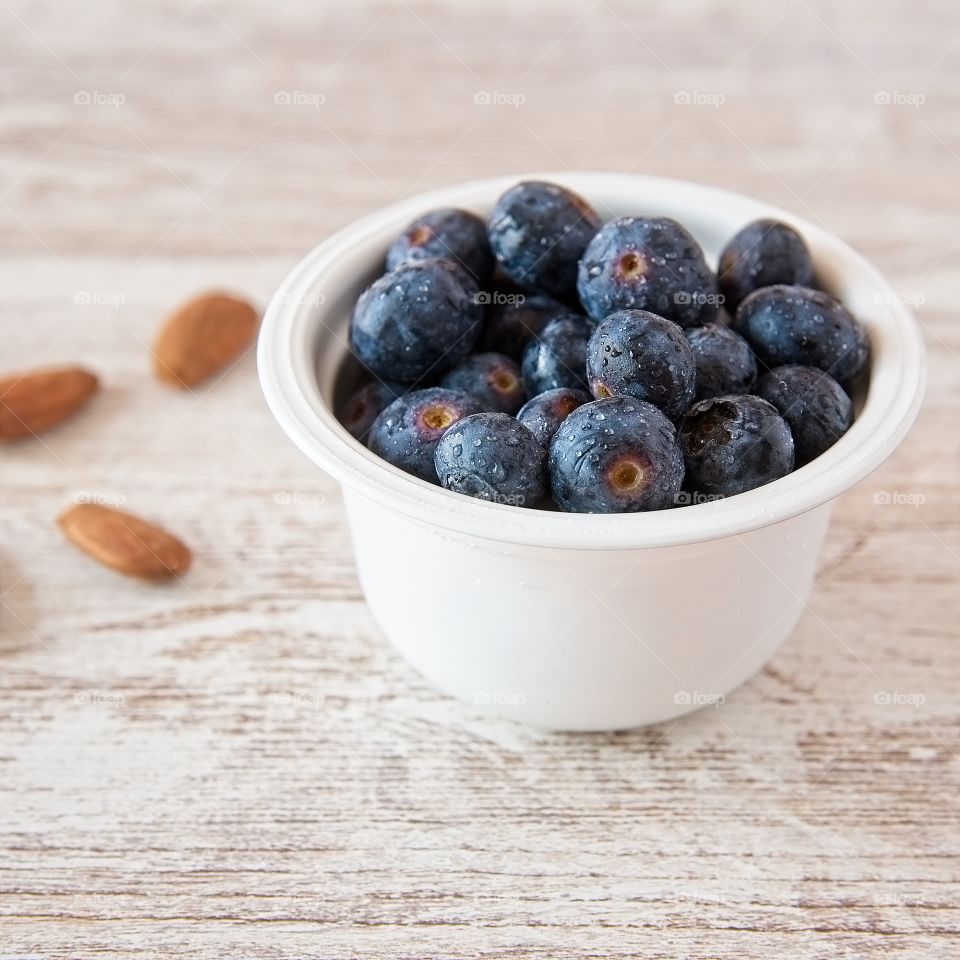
33,402
202,337
124,542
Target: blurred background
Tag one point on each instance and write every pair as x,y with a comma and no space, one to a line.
241,762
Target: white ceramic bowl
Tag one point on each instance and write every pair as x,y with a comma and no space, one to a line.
576,621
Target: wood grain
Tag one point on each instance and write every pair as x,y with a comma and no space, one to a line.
238,765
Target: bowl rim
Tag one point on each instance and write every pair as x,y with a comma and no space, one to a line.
288,377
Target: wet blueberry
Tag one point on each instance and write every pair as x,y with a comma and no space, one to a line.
763,253
647,264
558,356
446,234
491,456
492,378
638,354
725,362
816,408
797,325
407,432
514,322
735,443
417,320
618,455
538,232
543,414
363,406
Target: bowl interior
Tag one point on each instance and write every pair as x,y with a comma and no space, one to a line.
307,370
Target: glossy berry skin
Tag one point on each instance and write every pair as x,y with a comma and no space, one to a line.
725,362
816,408
407,432
735,443
618,455
558,356
538,232
510,326
416,321
763,253
797,325
492,378
365,404
446,234
637,354
543,414
491,456
641,263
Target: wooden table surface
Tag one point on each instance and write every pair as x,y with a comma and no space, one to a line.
238,765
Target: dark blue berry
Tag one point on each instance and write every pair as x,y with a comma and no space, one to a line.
558,356
798,325
446,234
418,320
638,354
515,319
647,264
492,378
762,254
618,455
816,408
407,432
364,405
538,232
735,443
491,456
725,362
543,414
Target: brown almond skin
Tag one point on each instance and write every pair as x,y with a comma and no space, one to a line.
124,542
33,402
202,337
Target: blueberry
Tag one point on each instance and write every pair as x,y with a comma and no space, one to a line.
762,254
543,414
816,408
798,325
647,264
363,406
446,234
558,356
491,456
538,232
407,432
618,455
492,378
514,322
725,362
419,319
638,354
735,443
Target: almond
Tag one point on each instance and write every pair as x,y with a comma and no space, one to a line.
124,542
33,402
203,337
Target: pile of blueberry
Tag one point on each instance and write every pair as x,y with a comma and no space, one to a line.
546,357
